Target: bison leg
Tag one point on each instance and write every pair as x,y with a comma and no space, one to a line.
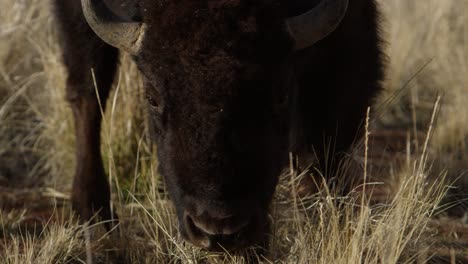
91,191
83,52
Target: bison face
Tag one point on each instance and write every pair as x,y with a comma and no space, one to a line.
216,85
217,77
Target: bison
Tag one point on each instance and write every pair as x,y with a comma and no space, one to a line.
232,87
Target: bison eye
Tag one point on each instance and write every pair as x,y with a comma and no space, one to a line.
153,102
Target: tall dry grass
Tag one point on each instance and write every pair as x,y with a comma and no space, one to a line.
428,55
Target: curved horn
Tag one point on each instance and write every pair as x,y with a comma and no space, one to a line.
317,23
115,31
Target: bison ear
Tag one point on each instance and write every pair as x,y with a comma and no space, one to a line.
120,31
317,23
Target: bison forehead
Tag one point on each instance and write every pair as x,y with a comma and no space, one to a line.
223,3
188,15
196,34
231,41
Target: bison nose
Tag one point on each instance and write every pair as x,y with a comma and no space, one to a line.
207,231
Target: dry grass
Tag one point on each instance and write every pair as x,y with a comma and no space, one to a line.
428,44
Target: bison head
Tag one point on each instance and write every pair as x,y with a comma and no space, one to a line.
218,77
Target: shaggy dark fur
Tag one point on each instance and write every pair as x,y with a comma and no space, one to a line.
228,98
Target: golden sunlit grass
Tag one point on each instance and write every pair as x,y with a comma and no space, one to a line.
428,44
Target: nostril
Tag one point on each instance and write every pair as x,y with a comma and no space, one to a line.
206,228
235,228
210,232
195,234
202,227
216,226
192,226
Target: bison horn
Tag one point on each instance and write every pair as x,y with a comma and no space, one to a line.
115,31
316,24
